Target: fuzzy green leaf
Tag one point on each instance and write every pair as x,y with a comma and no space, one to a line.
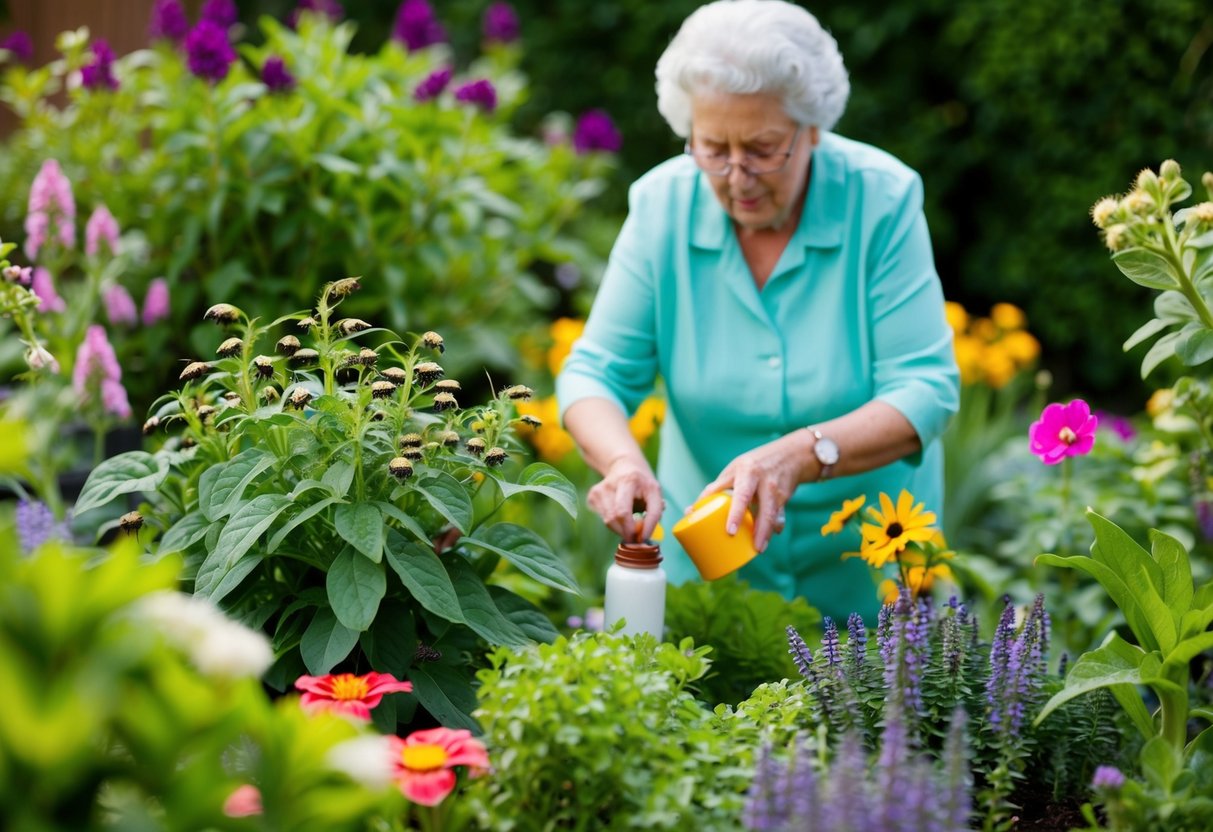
542,478
448,497
1172,559
423,575
355,587
242,530
361,525
1145,268
221,486
127,473
326,642
406,522
298,519
184,533
1145,332
1100,668
1163,349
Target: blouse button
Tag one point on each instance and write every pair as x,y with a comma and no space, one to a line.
774,361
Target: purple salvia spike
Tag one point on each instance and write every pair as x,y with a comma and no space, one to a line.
829,643
857,638
801,654
804,808
1000,650
955,806
844,798
893,768
884,633
759,812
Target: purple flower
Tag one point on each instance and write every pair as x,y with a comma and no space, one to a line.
1204,517
36,525
829,643
100,228
500,24
480,93
220,12
208,52
97,369
434,84
328,8
156,302
1107,777
168,21
120,306
20,46
595,131
44,287
21,275
857,639
801,654
275,75
766,808
1122,426
416,27
100,73
51,208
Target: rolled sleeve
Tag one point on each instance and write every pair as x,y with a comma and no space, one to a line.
914,366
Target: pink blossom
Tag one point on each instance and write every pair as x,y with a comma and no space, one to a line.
44,288
244,802
101,228
156,302
113,398
97,368
120,306
424,761
347,694
50,203
39,357
1062,431
21,275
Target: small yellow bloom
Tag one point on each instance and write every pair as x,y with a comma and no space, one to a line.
894,527
1022,346
839,518
984,329
958,318
998,368
1160,402
647,418
564,332
918,579
1008,317
550,440
969,352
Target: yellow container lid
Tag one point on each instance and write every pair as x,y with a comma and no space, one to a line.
712,549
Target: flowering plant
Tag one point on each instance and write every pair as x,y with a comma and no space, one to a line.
338,495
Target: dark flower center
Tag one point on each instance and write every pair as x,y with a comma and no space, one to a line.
894,530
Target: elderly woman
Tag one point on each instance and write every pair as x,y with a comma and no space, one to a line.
780,279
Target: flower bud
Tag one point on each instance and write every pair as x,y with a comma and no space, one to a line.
450,438
427,372
395,375
299,398
222,313
1102,211
434,341
1206,179
352,326
345,287
149,427
230,347
130,522
412,453
232,398
445,401
1147,180
382,389
475,446
39,357
188,442
264,366
306,323
195,369
1116,236
205,412
378,416
288,345
495,456
411,440
400,468
518,392
531,421
1202,212
447,385
304,358
367,357
1169,170
1139,203
17,274
270,394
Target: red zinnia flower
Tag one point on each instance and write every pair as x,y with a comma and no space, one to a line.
347,694
423,762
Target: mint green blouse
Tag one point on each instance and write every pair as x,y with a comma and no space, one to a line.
853,312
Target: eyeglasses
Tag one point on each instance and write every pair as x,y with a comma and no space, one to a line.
715,163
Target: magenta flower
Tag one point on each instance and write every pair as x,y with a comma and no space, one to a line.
329,8
100,228
168,21
275,75
100,73
120,306
156,302
416,27
434,84
97,370
1062,431
51,208
19,46
596,131
1119,425
500,24
220,12
480,93
208,51
44,287
1107,777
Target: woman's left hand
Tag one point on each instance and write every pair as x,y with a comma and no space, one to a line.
765,476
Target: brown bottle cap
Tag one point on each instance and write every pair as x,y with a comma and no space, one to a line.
638,555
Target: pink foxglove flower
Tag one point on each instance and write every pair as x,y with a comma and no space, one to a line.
424,762
52,208
44,287
120,306
347,694
97,371
1062,431
100,228
156,303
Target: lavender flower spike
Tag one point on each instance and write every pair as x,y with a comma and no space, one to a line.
857,638
766,808
36,525
801,654
208,51
500,23
156,305
956,806
1107,778
100,73
168,21
829,643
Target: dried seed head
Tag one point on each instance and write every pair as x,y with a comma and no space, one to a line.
448,385
231,397
378,416
475,446
382,389
531,421
222,313
450,438
434,341
518,392
205,412
264,365
367,357
306,323
400,468
304,358
411,440
350,326
149,427
427,372
395,375
495,456
230,347
130,522
195,369
345,287
445,401
270,394
412,453
300,397
288,345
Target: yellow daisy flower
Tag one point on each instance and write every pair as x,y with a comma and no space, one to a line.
893,527
839,518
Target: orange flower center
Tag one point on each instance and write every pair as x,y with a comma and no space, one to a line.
423,757
348,686
1066,435
894,530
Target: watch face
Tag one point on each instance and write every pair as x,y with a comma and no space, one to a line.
826,450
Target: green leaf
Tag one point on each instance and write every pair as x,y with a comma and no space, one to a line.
1146,331
221,486
448,497
295,521
184,533
242,530
1195,621
1100,668
423,575
361,525
479,611
1139,714
127,473
355,587
443,692
541,478
407,523
1172,559
527,551
339,477
1113,585
235,576
1161,763
325,643
1163,349
1186,651
1140,573
391,641
337,164
1145,268
1197,348
525,615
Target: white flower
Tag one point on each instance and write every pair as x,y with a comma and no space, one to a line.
214,643
366,760
39,358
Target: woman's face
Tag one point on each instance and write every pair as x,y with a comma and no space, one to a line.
752,129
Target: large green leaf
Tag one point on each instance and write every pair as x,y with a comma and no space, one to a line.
541,478
448,497
355,587
528,618
338,477
1186,651
1161,763
447,695
423,575
184,533
1172,559
1139,714
326,642
1197,348
127,473
294,522
1100,668
242,530
406,522
1140,573
391,641
361,525
1145,332
1145,268
479,610
1114,586
1195,621
233,577
222,485
1163,349
527,551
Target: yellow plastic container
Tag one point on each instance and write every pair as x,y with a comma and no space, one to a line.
713,550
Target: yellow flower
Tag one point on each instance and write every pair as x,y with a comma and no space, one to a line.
551,441
647,418
1022,346
1160,402
958,318
1008,317
918,579
985,330
998,367
839,518
893,528
564,332
969,352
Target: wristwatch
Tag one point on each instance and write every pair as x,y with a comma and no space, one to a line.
826,451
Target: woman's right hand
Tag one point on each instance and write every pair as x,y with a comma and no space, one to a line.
629,486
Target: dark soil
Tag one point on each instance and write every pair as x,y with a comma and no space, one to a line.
1040,812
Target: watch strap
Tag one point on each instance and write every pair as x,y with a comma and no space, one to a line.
827,468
